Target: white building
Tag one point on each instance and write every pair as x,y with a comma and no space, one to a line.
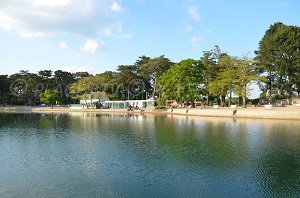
134,104
93,100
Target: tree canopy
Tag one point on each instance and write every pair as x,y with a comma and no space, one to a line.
51,96
278,57
183,80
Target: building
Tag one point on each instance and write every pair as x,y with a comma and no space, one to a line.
130,104
93,100
97,100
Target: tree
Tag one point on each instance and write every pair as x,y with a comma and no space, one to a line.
145,76
211,61
80,75
126,75
235,74
24,87
182,81
152,69
62,80
83,87
4,89
278,55
107,83
45,74
51,96
224,81
46,81
246,73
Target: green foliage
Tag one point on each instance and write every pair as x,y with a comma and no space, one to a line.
280,97
84,86
212,68
278,57
51,96
4,89
225,77
235,74
161,102
247,73
182,80
155,67
263,96
24,88
160,107
152,69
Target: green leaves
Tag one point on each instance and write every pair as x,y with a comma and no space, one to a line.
50,96
182,80
278,57
235,75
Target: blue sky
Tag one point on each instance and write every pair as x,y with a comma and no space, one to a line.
99,35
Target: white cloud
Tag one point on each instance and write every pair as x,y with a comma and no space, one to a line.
51,3
193,12
25,34
91,46
36,18
107,31
63,45
197,39
115,7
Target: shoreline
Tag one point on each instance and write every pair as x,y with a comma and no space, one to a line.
282,113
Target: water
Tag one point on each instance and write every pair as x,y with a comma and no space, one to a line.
111,155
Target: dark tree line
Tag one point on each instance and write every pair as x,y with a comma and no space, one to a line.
25,88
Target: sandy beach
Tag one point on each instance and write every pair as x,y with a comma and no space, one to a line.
287,113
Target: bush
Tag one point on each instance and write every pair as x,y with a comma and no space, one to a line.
263,96
160,107
160,102
280,97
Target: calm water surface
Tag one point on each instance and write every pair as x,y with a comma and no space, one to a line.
111,155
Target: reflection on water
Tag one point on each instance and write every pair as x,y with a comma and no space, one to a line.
105,155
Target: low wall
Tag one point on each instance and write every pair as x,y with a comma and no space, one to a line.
291,113
277,113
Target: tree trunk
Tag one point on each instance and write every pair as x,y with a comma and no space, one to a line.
270,88
193,103
221,101
244,101
85,98
230,97
154,87
128,96
207,100
244,96
281,89
91,100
